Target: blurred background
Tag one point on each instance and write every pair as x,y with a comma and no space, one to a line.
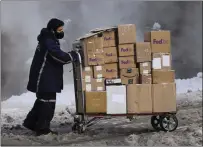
21,22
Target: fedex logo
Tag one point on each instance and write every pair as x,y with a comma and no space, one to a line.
107,38
161,41
110,70
109,54
125,62
124,49
92,59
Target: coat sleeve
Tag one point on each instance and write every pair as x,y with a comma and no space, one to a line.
56,53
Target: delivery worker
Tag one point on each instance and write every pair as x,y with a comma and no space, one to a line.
46,76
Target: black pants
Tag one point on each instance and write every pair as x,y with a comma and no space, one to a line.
42,113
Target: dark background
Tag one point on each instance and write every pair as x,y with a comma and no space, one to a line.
22,21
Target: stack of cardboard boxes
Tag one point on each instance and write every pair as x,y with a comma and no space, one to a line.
143,68
163,78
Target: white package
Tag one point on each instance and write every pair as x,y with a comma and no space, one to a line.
116,99
156,63
166,60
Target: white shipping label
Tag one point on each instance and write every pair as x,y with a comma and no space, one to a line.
156,63
87,79
118,98
99,80
98,68
165,60
144,64
99,76
87,69
99,88
88,87
145,71
117,80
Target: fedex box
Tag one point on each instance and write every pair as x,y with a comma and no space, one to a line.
127,62
111,71
116,99
110,55
160,41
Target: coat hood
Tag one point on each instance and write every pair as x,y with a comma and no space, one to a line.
45,33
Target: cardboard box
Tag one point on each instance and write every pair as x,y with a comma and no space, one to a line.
99,71
110,55
161,61
127,62
161,76
116,99
100,58
84,53
145,68
99,84
98,44
109,39
160,41
164,97
96,59
129,76
127,33
88,86
111,70
126,50
143,52
145,79
147,37
95,102
139,99
94,85
93,53
90,45
87,73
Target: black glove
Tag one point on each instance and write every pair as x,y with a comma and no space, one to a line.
74,56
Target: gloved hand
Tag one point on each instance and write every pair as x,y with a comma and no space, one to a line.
74,56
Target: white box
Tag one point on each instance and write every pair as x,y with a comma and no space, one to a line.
116,99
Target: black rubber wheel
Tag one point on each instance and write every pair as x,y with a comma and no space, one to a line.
155,122
81,129
169,123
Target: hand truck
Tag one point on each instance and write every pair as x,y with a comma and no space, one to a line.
159,121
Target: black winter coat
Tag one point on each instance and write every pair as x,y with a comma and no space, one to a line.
46,72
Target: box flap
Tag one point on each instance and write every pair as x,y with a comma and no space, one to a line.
95,32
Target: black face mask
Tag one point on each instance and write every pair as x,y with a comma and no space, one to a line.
59,35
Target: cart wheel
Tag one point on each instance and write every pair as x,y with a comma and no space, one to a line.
81,128
169,123
155,122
